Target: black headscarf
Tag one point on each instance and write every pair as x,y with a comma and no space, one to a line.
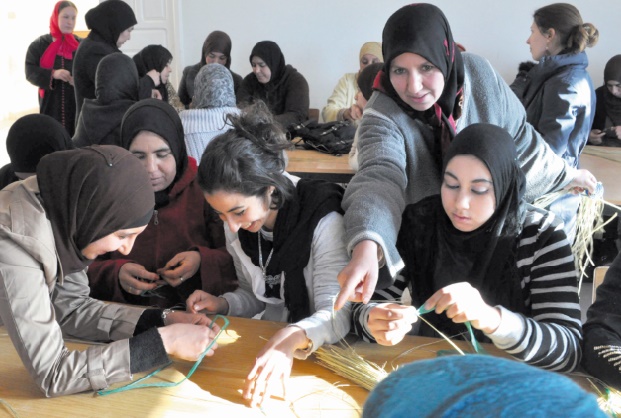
437,254
109,19
159,117
217,41
612,72
152,57
422,29
90,193
31,138
293,236
116,89
271,54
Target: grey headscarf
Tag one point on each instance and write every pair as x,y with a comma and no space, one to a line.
213,87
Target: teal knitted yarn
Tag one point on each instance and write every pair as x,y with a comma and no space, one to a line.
478,386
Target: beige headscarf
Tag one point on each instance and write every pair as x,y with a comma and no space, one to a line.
373,48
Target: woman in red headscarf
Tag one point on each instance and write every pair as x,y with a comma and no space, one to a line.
48,66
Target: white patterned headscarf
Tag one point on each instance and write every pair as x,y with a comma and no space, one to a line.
213,87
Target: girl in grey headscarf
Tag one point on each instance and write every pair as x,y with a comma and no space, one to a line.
214,99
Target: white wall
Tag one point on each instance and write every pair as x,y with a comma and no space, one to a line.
322,38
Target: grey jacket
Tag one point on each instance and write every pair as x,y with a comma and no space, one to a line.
397,166
39,306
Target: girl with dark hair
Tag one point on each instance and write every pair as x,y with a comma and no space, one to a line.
216,50
29,139
81,204
427,91
153,65
479,253
285,236
279,85
606,128
110,24
49,63
116,90
182,249
558,92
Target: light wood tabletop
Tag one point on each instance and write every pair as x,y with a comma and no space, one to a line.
314,164
215,388
606,168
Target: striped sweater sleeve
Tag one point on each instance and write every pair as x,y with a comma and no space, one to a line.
550,336
360,311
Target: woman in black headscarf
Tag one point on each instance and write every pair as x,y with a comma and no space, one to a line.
606,128
216,50
279,85
31,138
183,248
81,204
427,91
153,65
110,24
116,90
479,253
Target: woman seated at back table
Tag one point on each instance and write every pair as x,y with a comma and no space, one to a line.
479,253
285,236
81,204
342,104
279,85
182,249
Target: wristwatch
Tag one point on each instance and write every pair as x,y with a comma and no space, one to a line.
165,313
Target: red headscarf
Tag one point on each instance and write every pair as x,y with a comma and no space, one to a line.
63,44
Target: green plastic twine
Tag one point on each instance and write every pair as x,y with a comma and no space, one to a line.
136,384
473,340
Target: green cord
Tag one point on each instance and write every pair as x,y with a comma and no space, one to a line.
473,340
136,384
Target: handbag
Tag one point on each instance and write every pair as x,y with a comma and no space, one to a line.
334,138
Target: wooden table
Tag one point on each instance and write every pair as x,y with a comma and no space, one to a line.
606,170
215,388
314,164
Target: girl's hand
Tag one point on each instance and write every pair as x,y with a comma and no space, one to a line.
595,136
187,341
201,301
584,180
359,277
181,267
135,279
389,322
462,303
181,317
273,365
63,75
155,76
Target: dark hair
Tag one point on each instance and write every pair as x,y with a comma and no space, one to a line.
65,4
367,77
565,19
248,158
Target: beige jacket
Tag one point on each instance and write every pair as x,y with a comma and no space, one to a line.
38,306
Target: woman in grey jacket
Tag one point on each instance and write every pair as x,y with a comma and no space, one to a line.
427,91
82,204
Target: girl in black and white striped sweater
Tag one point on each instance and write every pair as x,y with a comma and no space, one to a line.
479,253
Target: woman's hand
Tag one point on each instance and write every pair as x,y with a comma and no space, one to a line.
182,266
595,136
181,317
135,279
462,303
584,180
389,322
273,364
353,113
201,301
187,341
359,277
155,76
63,75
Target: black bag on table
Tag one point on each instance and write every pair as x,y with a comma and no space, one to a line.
334,138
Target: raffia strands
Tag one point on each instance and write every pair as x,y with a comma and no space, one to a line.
608,399
345,362
589,220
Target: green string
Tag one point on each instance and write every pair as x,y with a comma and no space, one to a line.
473,340
136,384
